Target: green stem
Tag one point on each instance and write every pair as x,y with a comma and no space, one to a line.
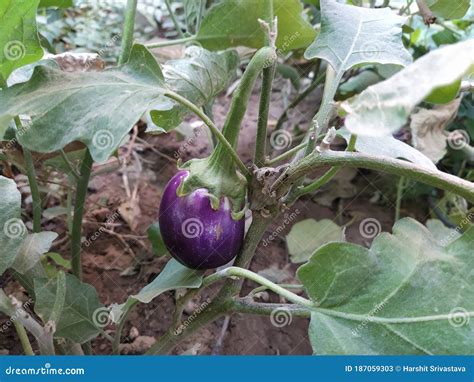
326,178
398,167
400,187
69,165
262,59
244,305
25,342
178,41
128,28
299,99
31,174
262,124
227,146
76,234
173,18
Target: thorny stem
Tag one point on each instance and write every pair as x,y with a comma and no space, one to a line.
398,167
76,231
128,28
262,124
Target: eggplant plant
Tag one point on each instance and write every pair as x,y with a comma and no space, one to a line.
409,292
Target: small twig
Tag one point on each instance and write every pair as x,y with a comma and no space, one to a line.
428,16
220,340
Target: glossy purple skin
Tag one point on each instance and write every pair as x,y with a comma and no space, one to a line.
195,234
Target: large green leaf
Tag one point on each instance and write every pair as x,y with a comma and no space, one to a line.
98,109
56,3
308,235
235,23
449,9
199,77
410,293
383,108
72,305
12,229
32,249
19,42
388,146
354,35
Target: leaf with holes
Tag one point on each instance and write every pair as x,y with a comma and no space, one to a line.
19,42
410,293
353,35
384,108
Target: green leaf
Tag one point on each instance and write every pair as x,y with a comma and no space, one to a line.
98,109
449,9
308,235
358,83
388,146
19,43
154,235
354,35
384,108
32,249
173,276
12,229
56,3
79,317
235,23
199,77
407,294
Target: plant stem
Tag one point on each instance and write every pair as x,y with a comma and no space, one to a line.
300,97
76,233
262,59
222,140
173,18
400,188
262,123
178,41
25,342
31,174
69,165
398,167
128,28
244,305
247,274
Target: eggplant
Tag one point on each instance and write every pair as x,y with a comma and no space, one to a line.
197,235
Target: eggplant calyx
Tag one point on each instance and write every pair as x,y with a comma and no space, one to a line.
220,185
